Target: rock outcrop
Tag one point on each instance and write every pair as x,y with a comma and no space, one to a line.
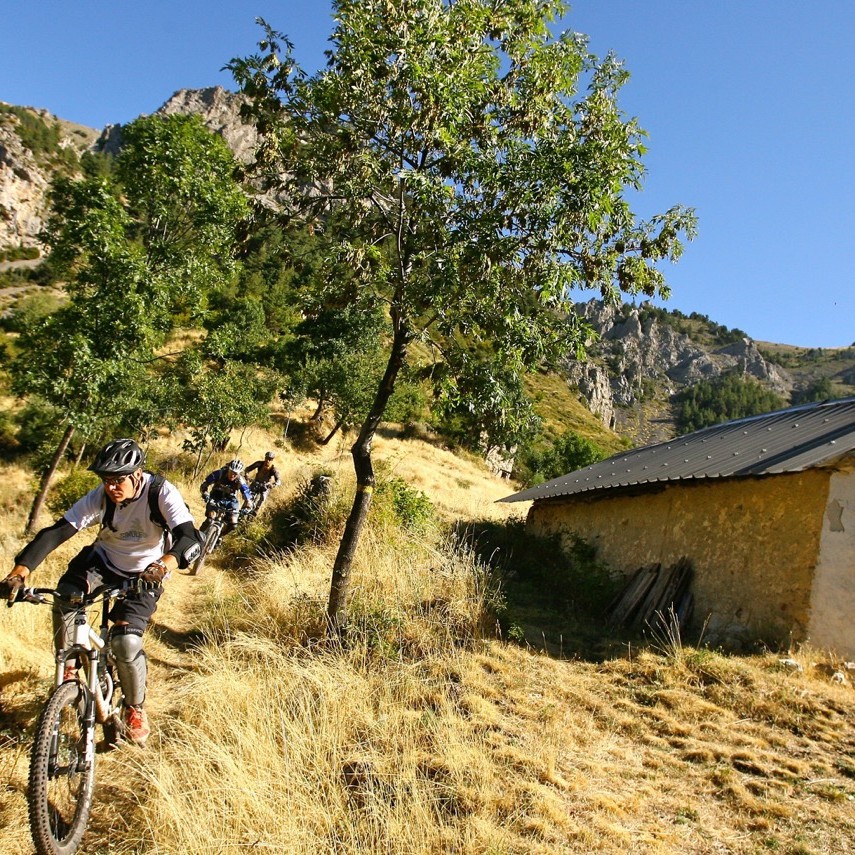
638,359
23,185
220,111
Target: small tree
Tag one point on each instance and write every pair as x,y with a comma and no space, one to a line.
218,398
459,179
82,358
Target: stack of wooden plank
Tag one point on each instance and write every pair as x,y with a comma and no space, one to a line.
654,591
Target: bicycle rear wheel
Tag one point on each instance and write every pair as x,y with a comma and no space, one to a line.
212,535
61,777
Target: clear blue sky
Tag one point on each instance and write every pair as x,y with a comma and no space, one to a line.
749,106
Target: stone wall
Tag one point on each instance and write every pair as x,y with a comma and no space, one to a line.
753,543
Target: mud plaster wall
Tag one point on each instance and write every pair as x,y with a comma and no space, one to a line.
753,543
832,617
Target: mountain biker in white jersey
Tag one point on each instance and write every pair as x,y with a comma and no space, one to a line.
131,544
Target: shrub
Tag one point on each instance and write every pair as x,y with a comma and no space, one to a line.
566,454
562,573
31,309
66,491
19,253
403,505
8,441
316,514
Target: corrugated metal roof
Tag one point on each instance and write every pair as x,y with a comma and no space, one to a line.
790,440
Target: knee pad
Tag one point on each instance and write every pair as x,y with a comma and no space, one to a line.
126,645
63,627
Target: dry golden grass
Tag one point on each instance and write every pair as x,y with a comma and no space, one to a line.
424,732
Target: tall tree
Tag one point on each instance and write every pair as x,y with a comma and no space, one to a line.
460,177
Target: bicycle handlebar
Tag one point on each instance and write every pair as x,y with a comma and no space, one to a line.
40,596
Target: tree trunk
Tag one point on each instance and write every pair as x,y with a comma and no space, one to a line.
80,454
46,478
361,453
198,466
332,433
317,417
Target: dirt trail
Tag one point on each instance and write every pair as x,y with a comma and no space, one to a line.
169,643
172,635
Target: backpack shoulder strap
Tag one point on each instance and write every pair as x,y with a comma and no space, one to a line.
109,513
154,501
155,513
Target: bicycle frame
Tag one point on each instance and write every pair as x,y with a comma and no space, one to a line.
259,492
88,646
215,520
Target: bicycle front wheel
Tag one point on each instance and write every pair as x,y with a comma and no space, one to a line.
62,772
211,537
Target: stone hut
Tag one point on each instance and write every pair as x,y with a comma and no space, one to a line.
763,507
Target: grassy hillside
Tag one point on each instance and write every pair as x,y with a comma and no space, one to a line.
811,365
430,731
560,408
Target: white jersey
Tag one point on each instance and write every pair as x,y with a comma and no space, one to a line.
137,539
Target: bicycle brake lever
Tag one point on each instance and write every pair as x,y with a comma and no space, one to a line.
25,595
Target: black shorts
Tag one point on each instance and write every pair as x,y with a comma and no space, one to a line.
86,571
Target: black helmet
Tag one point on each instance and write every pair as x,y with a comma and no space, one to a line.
269,456
120,457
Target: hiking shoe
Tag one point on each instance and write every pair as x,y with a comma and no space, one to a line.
136,726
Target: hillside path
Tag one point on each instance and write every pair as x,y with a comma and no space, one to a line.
169,643
171,638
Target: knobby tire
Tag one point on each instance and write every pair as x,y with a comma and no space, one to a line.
212,535
60,789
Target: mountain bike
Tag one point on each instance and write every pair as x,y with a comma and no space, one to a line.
216,514
259,492
62,760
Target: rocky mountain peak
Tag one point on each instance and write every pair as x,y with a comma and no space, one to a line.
219,110
640,358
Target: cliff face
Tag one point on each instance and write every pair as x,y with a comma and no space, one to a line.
22,191
25,177
219,109
33,145
638,362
